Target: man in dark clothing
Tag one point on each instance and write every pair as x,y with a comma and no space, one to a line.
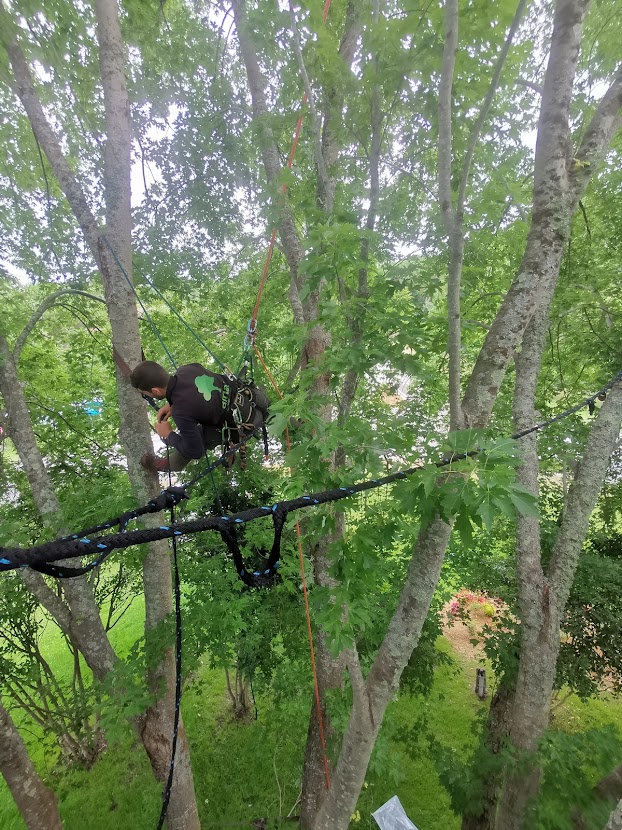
204,406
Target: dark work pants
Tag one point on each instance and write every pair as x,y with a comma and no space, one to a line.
212,437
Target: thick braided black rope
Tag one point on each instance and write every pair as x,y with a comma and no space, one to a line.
167,498
265,577
161,502
166,795
35,556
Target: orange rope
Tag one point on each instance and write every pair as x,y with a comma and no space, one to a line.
316,685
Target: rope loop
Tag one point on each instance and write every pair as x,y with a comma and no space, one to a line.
168,498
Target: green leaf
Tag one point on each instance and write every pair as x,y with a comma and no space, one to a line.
277,424
487,512
525,503
465,529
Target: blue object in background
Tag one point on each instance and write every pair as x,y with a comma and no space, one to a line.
93,408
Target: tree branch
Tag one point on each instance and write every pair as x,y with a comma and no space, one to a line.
333,107
551,217
289,235
600,131
49,301
45,135
483,113
615,819
356,320
582,495
315,124
444,115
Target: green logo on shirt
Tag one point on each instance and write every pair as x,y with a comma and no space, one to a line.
206,386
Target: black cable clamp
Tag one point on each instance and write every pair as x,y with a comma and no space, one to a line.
168,498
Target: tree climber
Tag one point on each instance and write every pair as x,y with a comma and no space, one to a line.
208,409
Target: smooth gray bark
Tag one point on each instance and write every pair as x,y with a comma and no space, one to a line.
36,803
79,618
116,271
543,594
157,732
615,819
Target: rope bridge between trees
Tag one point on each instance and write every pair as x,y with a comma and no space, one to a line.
40,557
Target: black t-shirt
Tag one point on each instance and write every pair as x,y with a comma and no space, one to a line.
191,412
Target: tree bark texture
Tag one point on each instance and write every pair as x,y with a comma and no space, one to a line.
292,246
116,272
157,730
609,788
543,596
453,228
615,819
36,803
79,618
559,184
453,216
371,700
555,177
495,738
332,126
318,341
356,319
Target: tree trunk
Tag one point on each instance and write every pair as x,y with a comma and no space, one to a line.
318,341
497,730
558,186
330,677
370,702
157,730
609,788
37,804
543,597
116,271
615,819
79,618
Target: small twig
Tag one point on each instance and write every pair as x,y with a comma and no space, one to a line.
276,775
296,802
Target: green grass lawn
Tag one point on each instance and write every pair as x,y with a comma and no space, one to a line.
251,769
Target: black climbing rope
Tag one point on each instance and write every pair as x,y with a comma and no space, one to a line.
40,556
166,795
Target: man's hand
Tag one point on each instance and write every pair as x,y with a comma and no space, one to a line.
164,413
163,428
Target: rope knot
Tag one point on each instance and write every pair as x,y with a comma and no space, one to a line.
168,498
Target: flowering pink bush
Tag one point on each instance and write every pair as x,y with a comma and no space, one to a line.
465,602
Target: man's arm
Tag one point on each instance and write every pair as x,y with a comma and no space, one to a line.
188,440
